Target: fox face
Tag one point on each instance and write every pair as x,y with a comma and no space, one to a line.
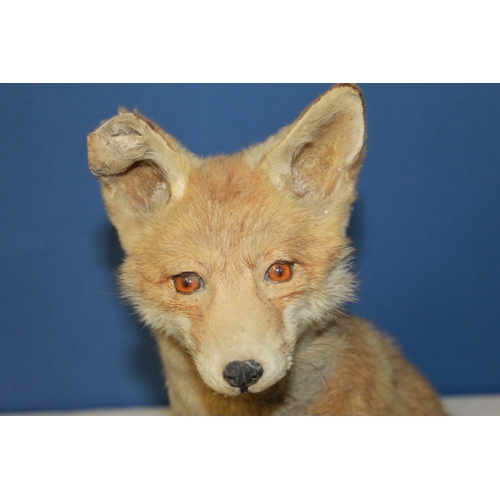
235,257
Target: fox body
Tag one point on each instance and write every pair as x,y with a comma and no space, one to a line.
240,265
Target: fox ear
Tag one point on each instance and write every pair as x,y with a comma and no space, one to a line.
321,153
138,166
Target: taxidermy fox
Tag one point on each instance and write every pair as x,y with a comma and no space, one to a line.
241,264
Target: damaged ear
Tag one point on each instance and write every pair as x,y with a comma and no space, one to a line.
321,153
138,166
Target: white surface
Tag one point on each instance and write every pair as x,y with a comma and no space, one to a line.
476,405
130,411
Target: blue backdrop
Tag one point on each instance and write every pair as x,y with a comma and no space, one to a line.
427,229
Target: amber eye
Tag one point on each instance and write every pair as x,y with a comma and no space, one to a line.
279,272
187,282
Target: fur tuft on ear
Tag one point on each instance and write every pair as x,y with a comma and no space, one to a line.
320,155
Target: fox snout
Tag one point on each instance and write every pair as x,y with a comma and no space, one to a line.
242,374
250,362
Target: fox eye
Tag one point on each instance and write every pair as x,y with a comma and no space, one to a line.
187,282
280,271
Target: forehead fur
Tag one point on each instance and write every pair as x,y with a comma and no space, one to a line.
231,214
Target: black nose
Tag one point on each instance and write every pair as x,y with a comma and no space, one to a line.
242,374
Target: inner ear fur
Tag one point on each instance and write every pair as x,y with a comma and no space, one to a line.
320,155
138,166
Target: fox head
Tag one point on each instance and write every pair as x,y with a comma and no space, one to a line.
235,256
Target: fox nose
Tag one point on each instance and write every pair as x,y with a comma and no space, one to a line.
242,374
